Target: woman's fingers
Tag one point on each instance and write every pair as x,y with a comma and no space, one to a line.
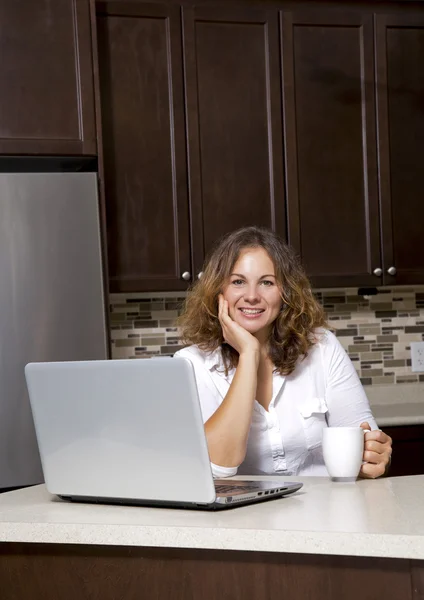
223,315
372,457
377,447
372,471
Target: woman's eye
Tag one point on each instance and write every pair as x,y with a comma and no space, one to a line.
267,283
237,282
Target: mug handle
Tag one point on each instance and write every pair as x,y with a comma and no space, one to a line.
364,462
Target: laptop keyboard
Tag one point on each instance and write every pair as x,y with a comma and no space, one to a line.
222,488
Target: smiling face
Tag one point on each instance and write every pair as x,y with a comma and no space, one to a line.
252,292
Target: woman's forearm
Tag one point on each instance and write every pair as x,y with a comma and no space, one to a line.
227,430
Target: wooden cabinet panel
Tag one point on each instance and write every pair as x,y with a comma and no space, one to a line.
329,120
140,63
46,78
89,572
400,96
233,108
408,449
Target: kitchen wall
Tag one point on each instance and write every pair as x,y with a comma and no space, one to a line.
375,331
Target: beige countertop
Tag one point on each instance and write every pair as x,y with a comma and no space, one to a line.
397,404
398,414
382,518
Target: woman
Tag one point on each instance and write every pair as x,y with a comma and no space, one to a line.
270,374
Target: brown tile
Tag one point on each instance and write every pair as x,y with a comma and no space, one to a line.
414,329
406,378
381,306
117,317
386,379
167,322
359,348
145,324
345,307
152,341
387,338
371,372
381,347
127,343
170,349
164,314
366,380
332,299
173,305
400,362
369,330
371,356
354,299
138,300
157,304
370,363
346,332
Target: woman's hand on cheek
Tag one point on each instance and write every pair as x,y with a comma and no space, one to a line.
233,333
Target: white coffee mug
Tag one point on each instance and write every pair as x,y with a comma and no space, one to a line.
343,450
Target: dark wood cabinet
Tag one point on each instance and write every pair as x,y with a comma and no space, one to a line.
233,107
305,118
46,78
408,449
399,43
141,80
330,143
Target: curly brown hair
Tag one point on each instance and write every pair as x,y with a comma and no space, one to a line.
292,334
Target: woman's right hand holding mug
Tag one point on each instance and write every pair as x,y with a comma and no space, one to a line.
234,334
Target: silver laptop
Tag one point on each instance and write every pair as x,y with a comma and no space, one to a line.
130,432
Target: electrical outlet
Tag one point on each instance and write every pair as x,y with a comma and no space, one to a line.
417,357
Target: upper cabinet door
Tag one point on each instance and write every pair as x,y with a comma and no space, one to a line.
142,101
329,121
400,98
46,78
233,106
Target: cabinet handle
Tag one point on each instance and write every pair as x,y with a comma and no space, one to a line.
186,275
378,272
199,276
391,270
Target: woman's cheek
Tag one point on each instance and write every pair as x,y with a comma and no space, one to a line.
232,300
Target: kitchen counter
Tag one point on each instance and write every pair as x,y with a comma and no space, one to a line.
397,404
365,538
382,518
411,413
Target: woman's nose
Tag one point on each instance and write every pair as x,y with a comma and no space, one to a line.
252,294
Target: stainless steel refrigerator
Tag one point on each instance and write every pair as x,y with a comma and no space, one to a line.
52,298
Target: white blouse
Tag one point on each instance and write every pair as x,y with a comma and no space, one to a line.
323,391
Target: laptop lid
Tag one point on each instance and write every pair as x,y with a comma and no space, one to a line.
121,429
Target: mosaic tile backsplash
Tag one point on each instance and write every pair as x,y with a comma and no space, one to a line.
376,331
